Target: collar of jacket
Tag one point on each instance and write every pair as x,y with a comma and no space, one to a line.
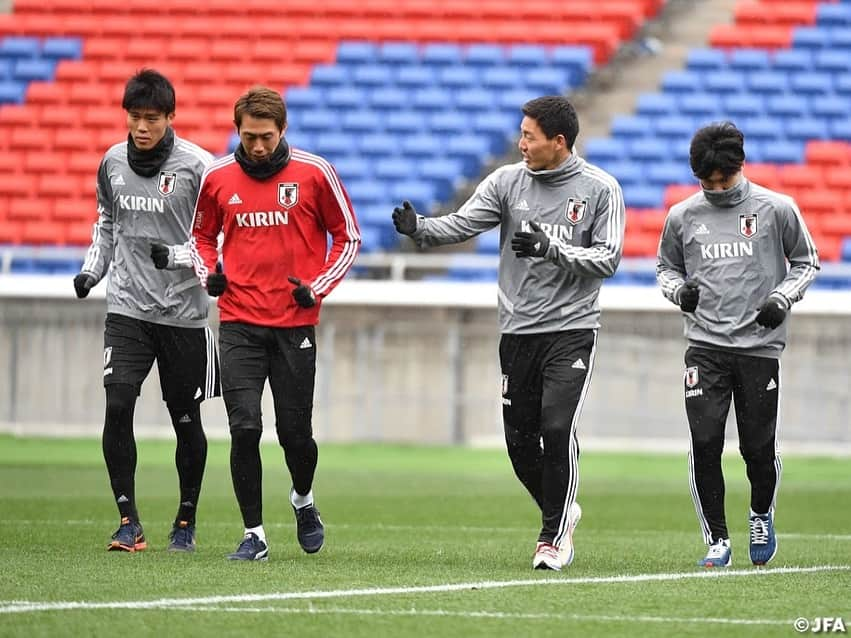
561,173
265,169
148,163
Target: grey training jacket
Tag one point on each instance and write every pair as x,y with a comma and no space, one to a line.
133,212
738,254
579,207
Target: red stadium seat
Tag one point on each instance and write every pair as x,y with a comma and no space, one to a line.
35,162
800,176
43,231
53,186
16,115
29,137
10,231
763,174
80,233
838,178
677,193
820,201
47,93
29,208
828,153
640,244
74,209
75,140
84,163
646,221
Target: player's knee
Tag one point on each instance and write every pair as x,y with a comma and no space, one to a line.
244,440
120,399
758,454
707,447
244,412
295,429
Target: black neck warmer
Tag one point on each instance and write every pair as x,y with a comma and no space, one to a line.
148,163
265,169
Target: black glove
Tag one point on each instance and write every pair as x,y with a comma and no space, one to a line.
689,294
159,255
532,244
771,314
303,295
216,282
82,284
405,219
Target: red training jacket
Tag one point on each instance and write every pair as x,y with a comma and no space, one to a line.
274,229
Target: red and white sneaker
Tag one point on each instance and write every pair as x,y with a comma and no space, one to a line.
546,557
565,549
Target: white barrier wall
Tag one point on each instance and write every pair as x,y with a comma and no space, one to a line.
417,362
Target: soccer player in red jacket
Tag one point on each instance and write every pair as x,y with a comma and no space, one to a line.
275,207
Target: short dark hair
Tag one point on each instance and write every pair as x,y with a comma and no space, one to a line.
555,115
717,147
149,89
263,103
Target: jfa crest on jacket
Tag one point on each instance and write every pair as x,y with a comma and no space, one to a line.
273,229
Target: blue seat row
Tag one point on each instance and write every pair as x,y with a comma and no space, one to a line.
52,48
24,60
711,105
763,82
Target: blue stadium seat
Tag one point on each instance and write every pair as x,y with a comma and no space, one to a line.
842,84
357,52
832,61
681,82
344,98
795,60
395,168
650,149
664,173
675,127
783,152
628,126
371,75
840,129
833,15
419,193
421,146
625,172
501,78
399,53
801,129
640,196
809,37
361,121
441,54
656,104
840,38
605,149
388,98
444,173
33,70
496,123
370,239
299,139
831,106
459,76
528,56
700,105
749,59
374,145
6,66
755,149
20,47
354,168
761,127
474,99
329,75
431,99
512,101
484,55
724,82
812,83
787,106
845,251
317,120
706,59
450,122
576,60
471,150
12,92
767,82
404,121
56,48
378,212
743,105
306,97
547,80
415,76
366,192
333,145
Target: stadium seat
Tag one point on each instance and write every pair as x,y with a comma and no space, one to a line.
371,75
630,126
706,59
749,60
441,54
682,82
794,60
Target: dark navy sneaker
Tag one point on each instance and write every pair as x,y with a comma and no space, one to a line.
182,537
763,542
309,528
720,554
129,537
250,548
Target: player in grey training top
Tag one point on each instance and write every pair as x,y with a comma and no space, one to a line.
723,259
156,309
561,233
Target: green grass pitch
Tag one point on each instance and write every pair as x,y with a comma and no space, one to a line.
419,542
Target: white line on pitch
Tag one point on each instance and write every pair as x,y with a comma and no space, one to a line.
7,607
